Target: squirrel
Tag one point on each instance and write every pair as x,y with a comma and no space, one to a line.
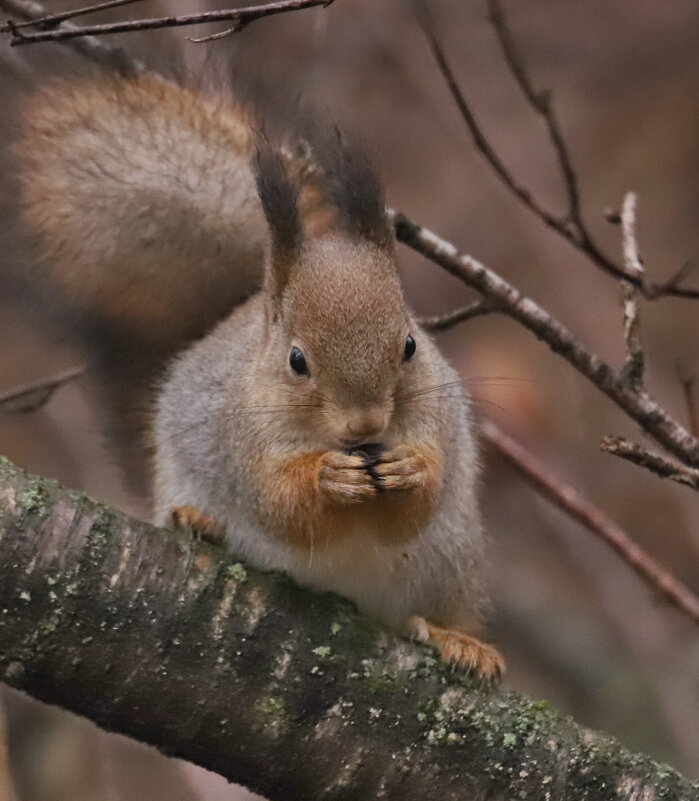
301,411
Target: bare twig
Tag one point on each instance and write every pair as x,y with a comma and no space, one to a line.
639,405
31,397
629,241
98,51
212,37
570,501
660,465
635,360
241,16
52,20
541,103
480,140
444,321
571,225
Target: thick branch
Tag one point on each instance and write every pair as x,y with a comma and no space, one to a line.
288,692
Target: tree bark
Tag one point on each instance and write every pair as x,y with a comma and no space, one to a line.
291,693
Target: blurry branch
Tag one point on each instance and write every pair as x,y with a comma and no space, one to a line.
442,322
570,225
240,16
570,501
30,397
660,465
237,670
541,103
52,20
505,298
102,53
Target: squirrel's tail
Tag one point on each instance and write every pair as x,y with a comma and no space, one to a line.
139,218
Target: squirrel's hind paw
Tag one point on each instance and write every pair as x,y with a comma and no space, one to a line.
202,526
460,650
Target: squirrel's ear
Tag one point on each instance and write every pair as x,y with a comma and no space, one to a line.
279,197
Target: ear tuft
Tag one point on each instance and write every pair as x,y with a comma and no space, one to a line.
353,187
279,197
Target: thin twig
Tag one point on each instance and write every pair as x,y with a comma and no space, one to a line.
441,322
570,501
30,397
660,465
480,140
212,37
243,16
52,20
635,359
570,226
640,406
98,51
632,258
541,103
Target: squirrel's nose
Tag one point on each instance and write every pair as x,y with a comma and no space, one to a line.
363,424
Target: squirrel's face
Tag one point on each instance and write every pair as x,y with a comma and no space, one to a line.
343,343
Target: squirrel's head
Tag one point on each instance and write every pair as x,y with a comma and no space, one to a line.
341,335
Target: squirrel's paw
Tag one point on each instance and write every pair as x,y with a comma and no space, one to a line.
402,468
460,650
202,526
343,478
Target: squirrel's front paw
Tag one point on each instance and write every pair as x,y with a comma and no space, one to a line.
344,478
402,468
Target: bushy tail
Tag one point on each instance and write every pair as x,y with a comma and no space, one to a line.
135,221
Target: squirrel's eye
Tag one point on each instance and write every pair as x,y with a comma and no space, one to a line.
298,362
409,348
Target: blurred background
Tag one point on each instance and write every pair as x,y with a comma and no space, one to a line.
575,625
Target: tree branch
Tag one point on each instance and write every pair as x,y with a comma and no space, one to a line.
639,405
291,693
